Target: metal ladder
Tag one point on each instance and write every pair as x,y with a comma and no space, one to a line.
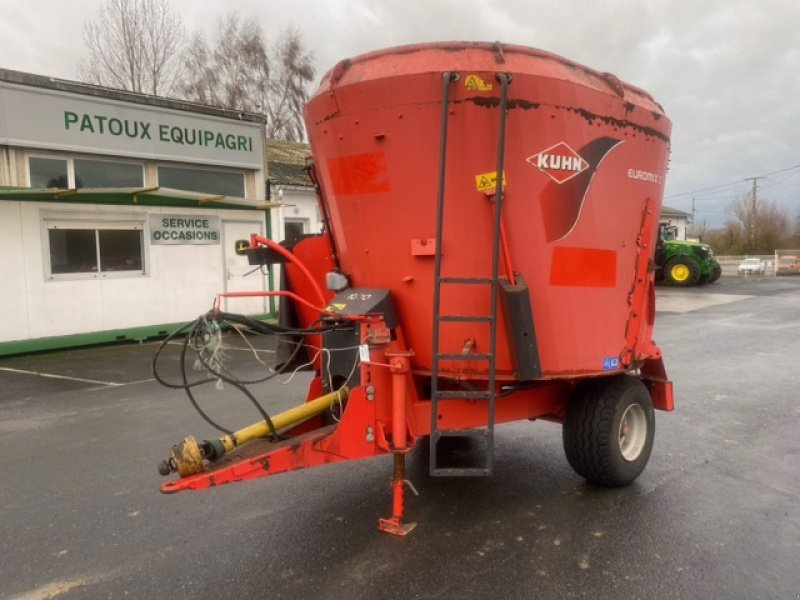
484,434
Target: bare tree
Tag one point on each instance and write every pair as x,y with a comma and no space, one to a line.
700,230
234,73
134,45
796,233
756,226
240,72
292,71
727,239
763,224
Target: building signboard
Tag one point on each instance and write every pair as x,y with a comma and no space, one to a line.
55,120
184,229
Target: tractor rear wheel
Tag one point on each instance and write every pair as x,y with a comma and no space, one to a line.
682,271
609,429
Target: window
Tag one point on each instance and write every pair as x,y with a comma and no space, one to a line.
104,173
95,249
51,172
205,181
48,172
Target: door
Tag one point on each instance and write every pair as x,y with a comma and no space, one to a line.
240,275
294,229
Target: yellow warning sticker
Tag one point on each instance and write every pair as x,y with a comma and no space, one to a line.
336,307
475,82
488,181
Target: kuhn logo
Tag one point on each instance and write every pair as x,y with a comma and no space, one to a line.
560,162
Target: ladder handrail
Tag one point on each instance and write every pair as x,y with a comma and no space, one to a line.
447,78
504,80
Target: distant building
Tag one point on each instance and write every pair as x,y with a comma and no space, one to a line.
290,184
676,217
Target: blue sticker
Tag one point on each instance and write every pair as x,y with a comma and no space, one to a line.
610,363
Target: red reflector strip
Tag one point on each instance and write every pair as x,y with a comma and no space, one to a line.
583,267
359,174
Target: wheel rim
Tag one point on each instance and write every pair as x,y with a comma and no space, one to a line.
632,432
680,272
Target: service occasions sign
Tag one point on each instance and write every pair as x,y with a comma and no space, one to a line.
184,229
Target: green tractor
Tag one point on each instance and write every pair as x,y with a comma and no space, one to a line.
683,263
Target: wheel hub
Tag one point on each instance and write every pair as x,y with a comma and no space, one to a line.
632,432
680,272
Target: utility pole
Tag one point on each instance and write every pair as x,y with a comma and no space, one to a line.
754,194
694,220
753,210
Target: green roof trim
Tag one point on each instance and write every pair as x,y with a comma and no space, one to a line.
147,196
93,338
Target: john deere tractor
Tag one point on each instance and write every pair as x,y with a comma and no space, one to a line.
683,263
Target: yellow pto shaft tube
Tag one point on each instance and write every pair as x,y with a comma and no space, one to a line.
187,457
283,420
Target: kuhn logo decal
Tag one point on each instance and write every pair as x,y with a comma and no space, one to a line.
560,162
562,199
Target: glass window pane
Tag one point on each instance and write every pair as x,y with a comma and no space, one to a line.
204,181
120,250
73,251
48,172
101,173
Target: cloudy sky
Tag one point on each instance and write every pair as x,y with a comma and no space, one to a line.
726,71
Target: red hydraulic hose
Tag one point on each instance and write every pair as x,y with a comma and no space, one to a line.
256,240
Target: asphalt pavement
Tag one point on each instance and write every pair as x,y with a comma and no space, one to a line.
715,514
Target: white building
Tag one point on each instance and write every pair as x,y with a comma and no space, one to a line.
119,212
291,185
676,217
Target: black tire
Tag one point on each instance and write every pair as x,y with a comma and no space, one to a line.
682,271
596,445
716,271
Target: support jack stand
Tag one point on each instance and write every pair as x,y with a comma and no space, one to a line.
394,525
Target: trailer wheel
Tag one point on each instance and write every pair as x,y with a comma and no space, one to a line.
682,271
609,429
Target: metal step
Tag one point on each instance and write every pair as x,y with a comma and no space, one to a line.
484,435
465,472
464,357
467,280
465,318
466,394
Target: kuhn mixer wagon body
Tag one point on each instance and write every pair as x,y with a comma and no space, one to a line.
491,215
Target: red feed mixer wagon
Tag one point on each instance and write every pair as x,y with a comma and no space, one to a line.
491,213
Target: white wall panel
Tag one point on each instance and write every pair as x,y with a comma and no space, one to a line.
180,282
13,300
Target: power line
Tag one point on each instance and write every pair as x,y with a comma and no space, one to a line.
779,171
722,185
713,187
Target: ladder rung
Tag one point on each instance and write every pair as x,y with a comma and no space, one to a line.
464,357
467,318
467,280
464,394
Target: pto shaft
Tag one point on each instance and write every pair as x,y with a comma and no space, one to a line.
187,456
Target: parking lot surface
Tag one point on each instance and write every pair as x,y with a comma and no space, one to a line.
715,514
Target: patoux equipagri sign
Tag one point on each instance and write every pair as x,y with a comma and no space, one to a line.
54,120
